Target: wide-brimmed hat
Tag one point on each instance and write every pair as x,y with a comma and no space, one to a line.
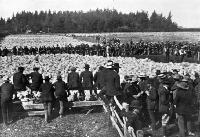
109,64
36,68
183,85
116,65
87,66
142,75
21,68
135,104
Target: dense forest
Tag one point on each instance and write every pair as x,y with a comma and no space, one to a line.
92,21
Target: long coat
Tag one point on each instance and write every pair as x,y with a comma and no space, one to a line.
98,79
73,80
20,81
111,83
7,90
86,79
164,99
183,101
36,80
47,92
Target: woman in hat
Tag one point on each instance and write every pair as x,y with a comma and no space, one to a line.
183,103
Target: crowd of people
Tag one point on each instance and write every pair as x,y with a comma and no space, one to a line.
113,48
162,97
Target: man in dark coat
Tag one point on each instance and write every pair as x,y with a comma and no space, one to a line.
7,91
111,83
164,103
98,78
36,79
183,103
73,80
60,94
47,97
152,100
86,79
19,79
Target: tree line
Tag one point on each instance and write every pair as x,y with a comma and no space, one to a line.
92,21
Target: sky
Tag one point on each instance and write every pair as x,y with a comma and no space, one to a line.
186,13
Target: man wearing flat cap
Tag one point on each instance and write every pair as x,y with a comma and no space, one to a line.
86,79
7,91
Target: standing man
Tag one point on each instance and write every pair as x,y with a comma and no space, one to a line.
86,79
111,84
183,103
164,103
7,91
60,93
47,97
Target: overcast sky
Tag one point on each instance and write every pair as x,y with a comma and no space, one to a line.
186,13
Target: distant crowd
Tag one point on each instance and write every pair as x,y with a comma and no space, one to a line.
114,48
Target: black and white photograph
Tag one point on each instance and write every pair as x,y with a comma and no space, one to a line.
99,68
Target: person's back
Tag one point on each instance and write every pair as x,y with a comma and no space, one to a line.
36,80
73,80
111,82
47,90
19,81
60,87
86,79
7,90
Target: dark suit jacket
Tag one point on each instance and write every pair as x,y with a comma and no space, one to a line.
7,90
36,80
183,101
111,83
152,99
86,79
98,79
47,92
73,80
20,81
164,99
60,88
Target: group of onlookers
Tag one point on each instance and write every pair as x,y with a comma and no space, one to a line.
163,97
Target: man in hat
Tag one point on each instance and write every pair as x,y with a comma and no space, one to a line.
60,94
86,79
47,97
73,80
36,79
111,84
183,103
164,103
132,115
19,80
152,100
7,92
116,67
